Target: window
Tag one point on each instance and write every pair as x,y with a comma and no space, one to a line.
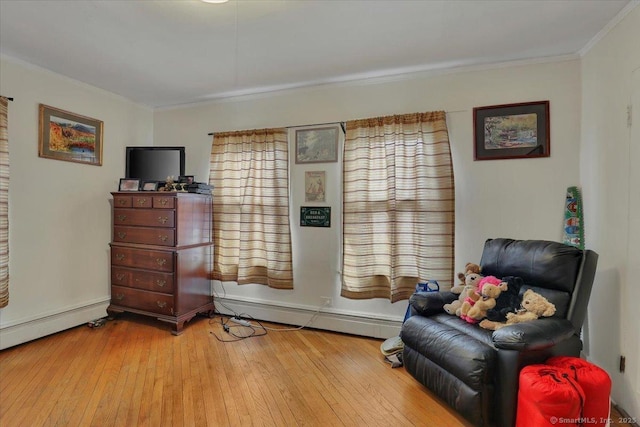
398,205
252,236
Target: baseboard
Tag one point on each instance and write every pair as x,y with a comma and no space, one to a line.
49,323
628,419
327,318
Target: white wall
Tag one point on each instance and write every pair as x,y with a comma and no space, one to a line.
609,172
500,198
59,212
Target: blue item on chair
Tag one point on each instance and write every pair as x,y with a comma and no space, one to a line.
428,286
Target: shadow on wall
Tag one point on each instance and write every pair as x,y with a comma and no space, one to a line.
602,328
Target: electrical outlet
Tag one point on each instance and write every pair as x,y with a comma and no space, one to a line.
326,301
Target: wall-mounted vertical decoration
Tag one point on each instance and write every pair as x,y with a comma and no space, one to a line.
573,219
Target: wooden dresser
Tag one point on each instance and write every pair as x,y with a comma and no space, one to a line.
161,255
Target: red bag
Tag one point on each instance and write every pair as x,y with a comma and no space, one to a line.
547,397
595,383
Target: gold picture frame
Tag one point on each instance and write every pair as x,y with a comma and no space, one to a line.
70,137
317,145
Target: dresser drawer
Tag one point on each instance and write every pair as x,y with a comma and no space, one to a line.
145,235
122,201
141,201
164,202
142,279
142,258
142,300
145,217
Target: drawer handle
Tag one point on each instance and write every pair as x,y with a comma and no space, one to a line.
142,201
122,202
161,261
162,304
119,297
161,282
163,238
120,276
164,202
122,234
121,218
119,257
162,220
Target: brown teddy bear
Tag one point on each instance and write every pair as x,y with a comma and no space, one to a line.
489,289
533,306
469,268
470,287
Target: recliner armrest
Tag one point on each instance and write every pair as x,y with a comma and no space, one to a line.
535,335
430,303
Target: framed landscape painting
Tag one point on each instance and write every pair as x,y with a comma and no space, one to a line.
69,136
318,145
511,131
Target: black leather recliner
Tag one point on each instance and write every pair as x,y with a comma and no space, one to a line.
475,370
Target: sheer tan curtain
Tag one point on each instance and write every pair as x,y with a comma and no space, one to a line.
250,174
398,205
4,204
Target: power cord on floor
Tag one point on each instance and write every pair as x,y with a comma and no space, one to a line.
297,328
97,323
238,321
236,330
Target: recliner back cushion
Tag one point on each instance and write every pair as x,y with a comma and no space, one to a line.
544,264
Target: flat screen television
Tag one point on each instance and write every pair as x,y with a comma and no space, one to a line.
154,163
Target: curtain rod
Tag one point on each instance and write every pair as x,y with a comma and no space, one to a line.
317,124
342,125
7,98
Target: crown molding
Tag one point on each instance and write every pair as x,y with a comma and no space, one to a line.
607,28
380,77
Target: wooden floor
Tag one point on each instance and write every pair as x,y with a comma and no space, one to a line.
133,372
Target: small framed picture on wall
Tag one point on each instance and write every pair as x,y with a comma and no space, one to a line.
314,186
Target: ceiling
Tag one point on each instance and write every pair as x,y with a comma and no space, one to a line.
168,53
